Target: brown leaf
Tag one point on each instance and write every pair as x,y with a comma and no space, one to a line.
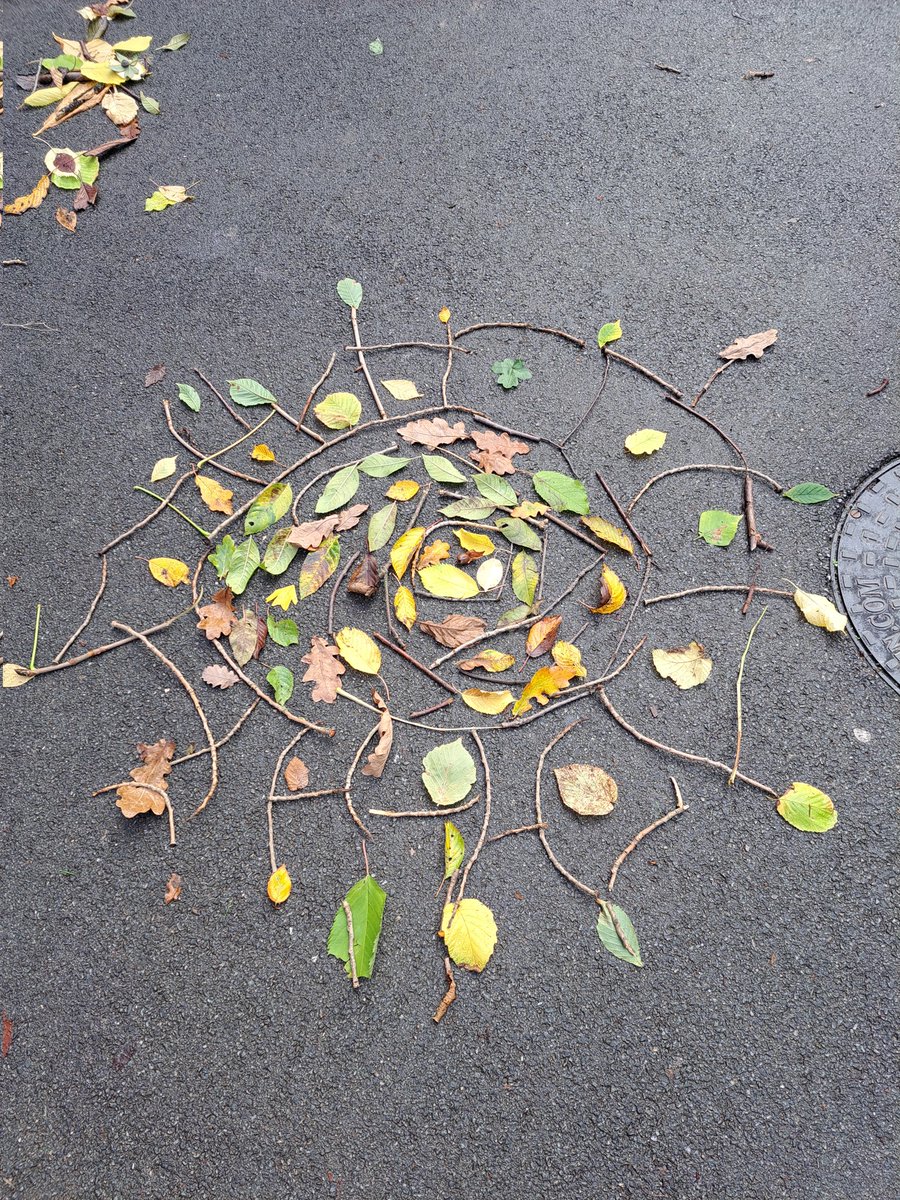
325,670
244,638
365,578
217,675
262,633
495,451
752,346
432,433
347,518
157,759
434,552
590,791
377,760
86,194
311,534
455,630
468,556
542,635
67,218
296,775
218,617
33,199
173,889
7,1035
155,374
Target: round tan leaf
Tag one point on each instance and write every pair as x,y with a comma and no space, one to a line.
587,790
686,666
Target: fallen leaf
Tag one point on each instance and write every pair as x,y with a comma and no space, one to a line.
163,468
448,582
468,509
442,470
217,675
249,393
311,534
272,503
455,630
165,197
645,441
510,372
613,592
12,580
806,808
279,553
341,488
454,849
487,702
444,315
377,466
687,666
377,760
358,650
339,410
296,775
148,104
67,219
611,938
402,389
189,396
283,597
586,789
495,452
495,490
489,574
33,199
279,886
157,759
218,617
405,606
612,330
809,493
479,542
607,532
525,577
470,933
404,548
717,527
242,563
529,508
155,374
350,291
432,433
365,578
435,552
281,680
324,670
403,489
819,611
489,660
84,197
15,675
366,901
119,107
376,47
262,453
216,497
566,655
173,889
544,683
319,566
283,632
6,1042
449,772
247,637
562,492
518,533
542,635
169,571
752,346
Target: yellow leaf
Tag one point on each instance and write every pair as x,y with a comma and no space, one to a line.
489,574
405,606
607,532
480,543
163,468
98,50
403,489
586,789
448,582
470,933
616,589
262,453
491,660
359,651
175,193
686,666
279,886
216,497
404,548
402,389
170,571
32,199
529,508
68,45
488,702
13,676
544,683
434,552
644,441
100,73
133,45
119,107
283,597
819,611
569,656
444,315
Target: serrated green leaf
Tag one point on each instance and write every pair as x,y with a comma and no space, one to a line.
248,392
283,632
717,527
497,490
510,372
610,938
281,681
447,582
366,901
442,469
562,492
318,566
516,531
381,526
223,555
350,291
339,410
378,466
189,396
809,493
610,332
454,849
525,576
242,566
341,487
468,509
806,808
269,506
279,553
449,772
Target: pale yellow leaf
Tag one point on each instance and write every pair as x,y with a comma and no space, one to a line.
470,933
358,650
489,574
13,675
489,660
687,666
133,45
644,441
163,468
402,389
488,702
119,107
448,582
607,532
478,543
586,789
444,315
819,611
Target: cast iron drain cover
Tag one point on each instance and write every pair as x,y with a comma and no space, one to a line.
865,568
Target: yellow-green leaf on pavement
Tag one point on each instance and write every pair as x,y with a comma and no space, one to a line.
402,389
525,577
163,468
806,808
448,582
381,526
611,936
645,441
819,611
470,933
717,527
341,487
358,650
339,410
454,849
610,332
269,506
483,700
449,772
607,532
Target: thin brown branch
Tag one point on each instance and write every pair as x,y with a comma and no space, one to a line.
429,812
538,812
512,832
198,454
317,795
593,404
442,346
90,612
351,953
473,857
446,376
215,391
425,712
264,696
449,995
334,591
348,797
560,333
623,515
80,658
635,605
312,396
151,516
311,483
773,483
221,742
570,529
414,662
642,370
365,368
719,587
150,787
270,822
680,807
715,375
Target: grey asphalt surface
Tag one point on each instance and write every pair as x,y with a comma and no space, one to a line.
515,161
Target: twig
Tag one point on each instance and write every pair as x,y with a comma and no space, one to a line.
414,662
87,620
642,370
198,454
876,391
40,325
473,857
542,834
425,712
570,529
442,346
593,404
312,395
80,658
231,411
773,483
333,791
388,606
221,742
267,699
150,516
623,513
351,954
347,794
449,995
719,587
449,367
699,758
365,369
334,591
211,741
740,710
150,787
680,807
566,337
430,812
269,798
521,829
715,375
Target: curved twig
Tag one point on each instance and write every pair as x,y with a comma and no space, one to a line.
623,513
539,817
365,368
270,700
152,515
560,333
679,808
348,798
442,346
773,483
473,857
432,812
199,455
221,742
312,396
715,375
150,787
271,796
593,404
80,658
642,370
720,587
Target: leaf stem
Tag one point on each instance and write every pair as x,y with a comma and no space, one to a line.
250,432
740,714
37,626
174,508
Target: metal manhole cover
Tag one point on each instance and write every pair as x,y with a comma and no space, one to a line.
865,568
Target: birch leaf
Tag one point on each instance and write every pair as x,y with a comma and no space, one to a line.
404,548
189,396
470,933
806,808
216,497
402,389
285,631
717,527
610,332
163,468
605,531
169,571
645,441
405,606
609,936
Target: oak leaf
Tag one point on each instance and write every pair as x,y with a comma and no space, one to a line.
217,675
544,683
324,670
377,760
495,452
157,759
296,775
455,630
433,432
752,346
434,552
219,616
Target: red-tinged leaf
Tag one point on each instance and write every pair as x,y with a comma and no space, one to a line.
318,566
262,632
432,433
377,760
218,617
155,374
455,630
296,775
217,675
542,635
325,670
365,578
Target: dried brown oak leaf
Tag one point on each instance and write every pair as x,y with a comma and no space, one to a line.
495,452
219,616
325,670
311,534
217,675
750,347
296,775
157,759
377,760
432,433
155,374
455,630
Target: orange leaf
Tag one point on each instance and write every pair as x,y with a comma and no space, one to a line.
296,775
542,635
157,759
262,453
216,497
33,199
279,886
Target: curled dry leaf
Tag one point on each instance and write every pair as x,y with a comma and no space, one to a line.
432,433
217,675
542,635
613,593
365,577
495,452
586,789
544,683
296,775
455,630
324,669
173,889
155,374
687,666
33,199
485,701
157,759
819,611
247,637
67,219
750,347
377,760
489,660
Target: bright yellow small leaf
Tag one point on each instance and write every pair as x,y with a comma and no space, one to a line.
405,607
484,701
279,886
566,655
283,597
216,497
101,73
133,45
403,489
616,589
170,571
529,508
359,651
13,675
644,441
404,548
402,389
262,453
819,611
607,532
478,543
686,666
444,315
470,933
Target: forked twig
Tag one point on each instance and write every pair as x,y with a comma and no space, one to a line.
679,808
90,612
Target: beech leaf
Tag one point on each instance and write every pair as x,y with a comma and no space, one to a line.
454,631
350,291
542,635
645,441
296,775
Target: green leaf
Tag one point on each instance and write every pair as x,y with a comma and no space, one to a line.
454,849
366,901
283,632
809,493
189,396
717,528
281,681
177,42
515,614
378,466
610,937
350,291
88,168
467,509
279,553
562,492
247,393
148,104
381,526
376,47
318,566
62,62
449,772
610,332
269,506
524,577
806,808
515,530
442,469
342,487
510,372
339,410
243,566
223,555
448,582
163,469
497,490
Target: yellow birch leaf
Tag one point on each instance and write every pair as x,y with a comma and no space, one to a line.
358,650
607,532
644,441
819,611
484,701
566,655
686,666
470,933
283,597
279,886
613,585
807,808
404,548
402,389
216,497
100,73
262,453
479,543
405,607
444,315
13,675
403,489
170,571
